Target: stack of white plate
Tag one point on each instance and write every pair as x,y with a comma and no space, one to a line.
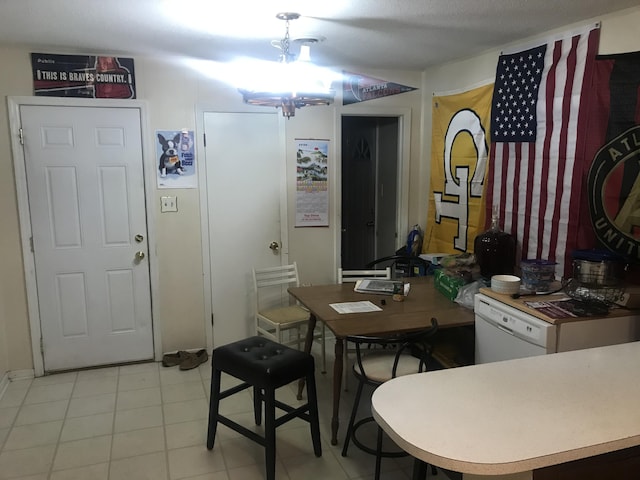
507,284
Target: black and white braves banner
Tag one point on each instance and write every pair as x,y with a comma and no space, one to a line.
86,76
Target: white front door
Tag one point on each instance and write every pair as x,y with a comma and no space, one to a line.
88,220
244,161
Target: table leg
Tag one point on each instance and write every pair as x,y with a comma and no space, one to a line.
337,387
308,343
419,470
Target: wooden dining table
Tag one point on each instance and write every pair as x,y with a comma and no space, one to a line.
415,312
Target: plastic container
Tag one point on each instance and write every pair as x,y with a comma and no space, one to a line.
598,268
537,275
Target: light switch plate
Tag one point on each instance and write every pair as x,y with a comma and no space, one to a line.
168,204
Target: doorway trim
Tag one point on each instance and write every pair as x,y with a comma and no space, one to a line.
404,160
28,257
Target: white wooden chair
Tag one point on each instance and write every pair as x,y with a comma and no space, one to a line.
277,314
352,276
345,276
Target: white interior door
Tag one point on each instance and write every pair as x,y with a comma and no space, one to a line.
88,220
243,163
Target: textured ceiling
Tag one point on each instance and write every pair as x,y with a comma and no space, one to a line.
385,34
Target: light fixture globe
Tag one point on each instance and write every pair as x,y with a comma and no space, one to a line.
297,82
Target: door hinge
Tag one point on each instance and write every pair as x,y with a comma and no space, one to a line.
21,136
41,346
212,319
31,243
204,138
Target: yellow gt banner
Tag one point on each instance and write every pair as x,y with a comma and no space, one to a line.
459,165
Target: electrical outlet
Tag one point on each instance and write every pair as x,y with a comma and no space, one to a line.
168,204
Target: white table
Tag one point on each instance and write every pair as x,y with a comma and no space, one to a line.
519,415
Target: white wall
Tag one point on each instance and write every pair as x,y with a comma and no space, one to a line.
14,80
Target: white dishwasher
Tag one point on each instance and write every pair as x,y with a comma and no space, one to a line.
504,332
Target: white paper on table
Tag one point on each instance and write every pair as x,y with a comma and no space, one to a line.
355,307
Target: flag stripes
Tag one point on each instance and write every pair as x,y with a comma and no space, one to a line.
537,184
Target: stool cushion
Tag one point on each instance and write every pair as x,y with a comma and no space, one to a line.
378,367
262,362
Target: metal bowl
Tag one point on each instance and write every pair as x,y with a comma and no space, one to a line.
598,268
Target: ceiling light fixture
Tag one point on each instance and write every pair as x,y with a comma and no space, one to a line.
299,82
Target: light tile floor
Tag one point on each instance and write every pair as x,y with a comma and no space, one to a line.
145,421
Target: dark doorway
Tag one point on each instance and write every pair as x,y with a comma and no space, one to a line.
369,189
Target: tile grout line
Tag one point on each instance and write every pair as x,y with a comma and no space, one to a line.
113,424
15,418
64,419
164,425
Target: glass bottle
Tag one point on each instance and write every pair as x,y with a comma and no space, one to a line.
495,250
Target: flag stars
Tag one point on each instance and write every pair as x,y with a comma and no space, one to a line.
516,92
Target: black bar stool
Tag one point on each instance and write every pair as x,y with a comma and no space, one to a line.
264,365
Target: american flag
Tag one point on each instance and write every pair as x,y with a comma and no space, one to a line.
537,138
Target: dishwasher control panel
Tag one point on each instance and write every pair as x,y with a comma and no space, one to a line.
514,322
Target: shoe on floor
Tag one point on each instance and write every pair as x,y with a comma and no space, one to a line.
173,359
194,359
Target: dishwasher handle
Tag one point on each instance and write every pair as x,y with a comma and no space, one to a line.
504,329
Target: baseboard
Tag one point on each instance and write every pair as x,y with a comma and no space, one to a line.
21,374
4,383
8,377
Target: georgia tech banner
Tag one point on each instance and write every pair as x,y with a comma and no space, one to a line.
360,88
459,153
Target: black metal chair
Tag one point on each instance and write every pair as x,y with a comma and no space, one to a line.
379,359
264,365
402,265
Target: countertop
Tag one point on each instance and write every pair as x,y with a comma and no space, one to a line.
519,303
518,415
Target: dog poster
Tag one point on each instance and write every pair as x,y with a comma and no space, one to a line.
176,159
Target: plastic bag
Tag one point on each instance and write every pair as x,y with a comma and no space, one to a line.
466,293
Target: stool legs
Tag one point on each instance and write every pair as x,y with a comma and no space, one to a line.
270,432
352,419
257,405
376,474
314,422
350,436
266,395
214,404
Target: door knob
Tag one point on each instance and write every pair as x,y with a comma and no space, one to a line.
139,255
274,246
